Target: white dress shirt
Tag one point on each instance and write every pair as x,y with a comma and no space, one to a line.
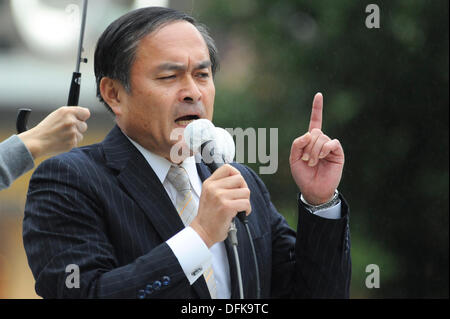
187,245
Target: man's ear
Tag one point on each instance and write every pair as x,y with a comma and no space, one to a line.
112,91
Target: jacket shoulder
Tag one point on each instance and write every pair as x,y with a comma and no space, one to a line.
78,159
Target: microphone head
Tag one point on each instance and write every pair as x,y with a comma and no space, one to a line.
201,131
225,144
198,132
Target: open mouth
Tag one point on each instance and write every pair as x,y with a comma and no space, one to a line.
185,120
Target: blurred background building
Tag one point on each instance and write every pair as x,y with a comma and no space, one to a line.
385,93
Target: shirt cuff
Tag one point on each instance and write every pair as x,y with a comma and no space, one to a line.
333,212
192,253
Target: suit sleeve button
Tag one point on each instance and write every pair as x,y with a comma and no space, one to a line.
166,280
157,285
148,289
141,294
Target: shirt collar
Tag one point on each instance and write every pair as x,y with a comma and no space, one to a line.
161,166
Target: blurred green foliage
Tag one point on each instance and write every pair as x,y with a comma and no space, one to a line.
385,98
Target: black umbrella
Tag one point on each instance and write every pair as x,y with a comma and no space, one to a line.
74,93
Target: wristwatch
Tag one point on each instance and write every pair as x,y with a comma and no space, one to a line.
313,208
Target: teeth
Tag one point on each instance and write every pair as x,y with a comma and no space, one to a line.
185,122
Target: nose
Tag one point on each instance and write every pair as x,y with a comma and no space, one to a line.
190,92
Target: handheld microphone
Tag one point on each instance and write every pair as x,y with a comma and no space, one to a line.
215,145
217,148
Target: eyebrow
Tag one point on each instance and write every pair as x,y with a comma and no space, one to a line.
169,66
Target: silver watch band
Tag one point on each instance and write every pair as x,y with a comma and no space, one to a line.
334,200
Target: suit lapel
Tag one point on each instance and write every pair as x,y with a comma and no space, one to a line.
141,183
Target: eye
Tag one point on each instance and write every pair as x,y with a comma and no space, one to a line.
203,75
167,77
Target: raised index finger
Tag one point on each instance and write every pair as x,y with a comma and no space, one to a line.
316,113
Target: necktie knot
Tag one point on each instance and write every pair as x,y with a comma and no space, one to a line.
179,178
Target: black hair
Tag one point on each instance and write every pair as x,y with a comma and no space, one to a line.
116,47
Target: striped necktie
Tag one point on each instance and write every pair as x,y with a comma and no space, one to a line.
187,210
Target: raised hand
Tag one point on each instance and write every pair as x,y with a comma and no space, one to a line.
316,160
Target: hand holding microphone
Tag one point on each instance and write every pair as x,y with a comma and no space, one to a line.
225,192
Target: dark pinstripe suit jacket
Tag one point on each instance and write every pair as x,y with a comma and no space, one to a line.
102,208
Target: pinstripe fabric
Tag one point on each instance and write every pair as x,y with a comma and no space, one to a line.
103,208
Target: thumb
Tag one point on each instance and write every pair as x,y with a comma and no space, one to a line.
297,147
81,113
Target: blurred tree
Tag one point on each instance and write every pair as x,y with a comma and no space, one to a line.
385,98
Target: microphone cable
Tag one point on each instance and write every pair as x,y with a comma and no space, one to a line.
244,219
234,242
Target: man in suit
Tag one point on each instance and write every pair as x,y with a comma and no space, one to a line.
116,212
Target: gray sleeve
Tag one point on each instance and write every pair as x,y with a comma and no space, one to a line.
15,160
